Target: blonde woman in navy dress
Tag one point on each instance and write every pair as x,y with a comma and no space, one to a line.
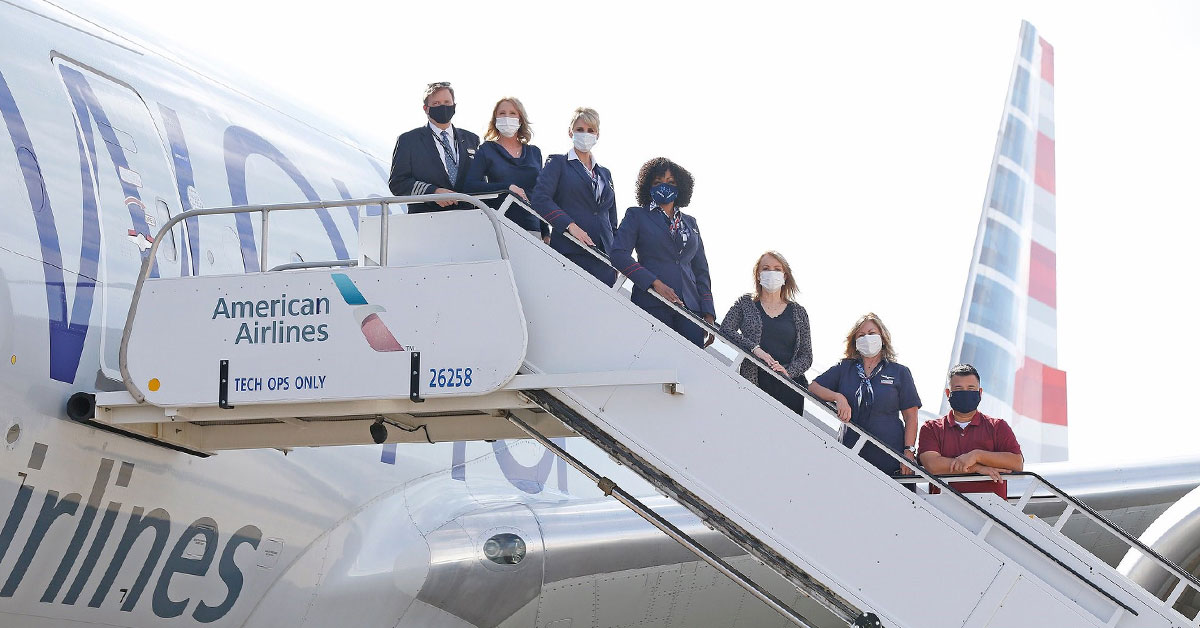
575,195
508,161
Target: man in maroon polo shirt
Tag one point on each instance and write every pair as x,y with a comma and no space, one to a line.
967,441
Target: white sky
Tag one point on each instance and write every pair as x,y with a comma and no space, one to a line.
853,137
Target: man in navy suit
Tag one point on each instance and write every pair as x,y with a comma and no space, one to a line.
433,158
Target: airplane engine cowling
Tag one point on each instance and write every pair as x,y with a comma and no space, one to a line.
486,566
365,572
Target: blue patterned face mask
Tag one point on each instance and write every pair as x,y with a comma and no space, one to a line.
664,193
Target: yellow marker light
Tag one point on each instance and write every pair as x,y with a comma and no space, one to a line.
13,360
153,384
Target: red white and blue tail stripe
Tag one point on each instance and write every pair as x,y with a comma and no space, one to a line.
1008,326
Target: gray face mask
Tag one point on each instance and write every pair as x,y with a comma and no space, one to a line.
869,346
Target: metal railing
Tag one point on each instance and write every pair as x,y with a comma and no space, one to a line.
264,235
1073,505
864,437
920,475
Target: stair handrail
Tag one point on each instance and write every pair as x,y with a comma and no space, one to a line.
148,262
864,436
1074,504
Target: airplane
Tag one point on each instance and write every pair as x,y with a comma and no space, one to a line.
106,138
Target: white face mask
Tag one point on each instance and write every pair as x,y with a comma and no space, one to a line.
508,126
870,345
772,280
584,141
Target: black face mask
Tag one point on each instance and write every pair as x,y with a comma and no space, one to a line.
441,113
965,401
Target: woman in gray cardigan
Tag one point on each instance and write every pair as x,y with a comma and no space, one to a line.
772,326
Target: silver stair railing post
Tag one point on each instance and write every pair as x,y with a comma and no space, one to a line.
384,211
262,254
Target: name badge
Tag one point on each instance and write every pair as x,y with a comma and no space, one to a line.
887,380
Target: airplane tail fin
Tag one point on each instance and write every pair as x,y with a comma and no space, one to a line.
1008,325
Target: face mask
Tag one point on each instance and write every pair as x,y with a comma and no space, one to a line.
965,401
772,280
584,141
441,113
664,193
870,345
508,126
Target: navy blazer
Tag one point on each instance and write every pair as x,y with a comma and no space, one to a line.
644,230
564,195
493,169
417,166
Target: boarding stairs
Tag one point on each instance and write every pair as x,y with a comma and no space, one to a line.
462,326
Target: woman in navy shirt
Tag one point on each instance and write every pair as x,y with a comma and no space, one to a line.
575,195
507,161
873,391
670,252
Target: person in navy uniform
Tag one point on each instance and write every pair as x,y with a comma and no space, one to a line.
433,158
507,161
575,195
873,391
670,252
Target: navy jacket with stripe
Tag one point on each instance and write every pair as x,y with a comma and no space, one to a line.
564,195
417,166
658,257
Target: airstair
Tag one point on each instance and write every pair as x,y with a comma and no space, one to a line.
461,326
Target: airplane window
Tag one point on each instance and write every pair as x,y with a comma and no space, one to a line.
1020,92
1001,249
1016,141
996,366
1008,193
993,306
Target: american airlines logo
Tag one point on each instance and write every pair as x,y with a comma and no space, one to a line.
378,336
191,554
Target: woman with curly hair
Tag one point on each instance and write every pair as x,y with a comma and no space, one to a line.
873,391
670,252
770,324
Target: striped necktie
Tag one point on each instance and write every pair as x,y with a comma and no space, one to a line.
595,181
451,161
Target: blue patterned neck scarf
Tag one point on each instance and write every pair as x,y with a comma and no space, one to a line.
680,231
865,396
